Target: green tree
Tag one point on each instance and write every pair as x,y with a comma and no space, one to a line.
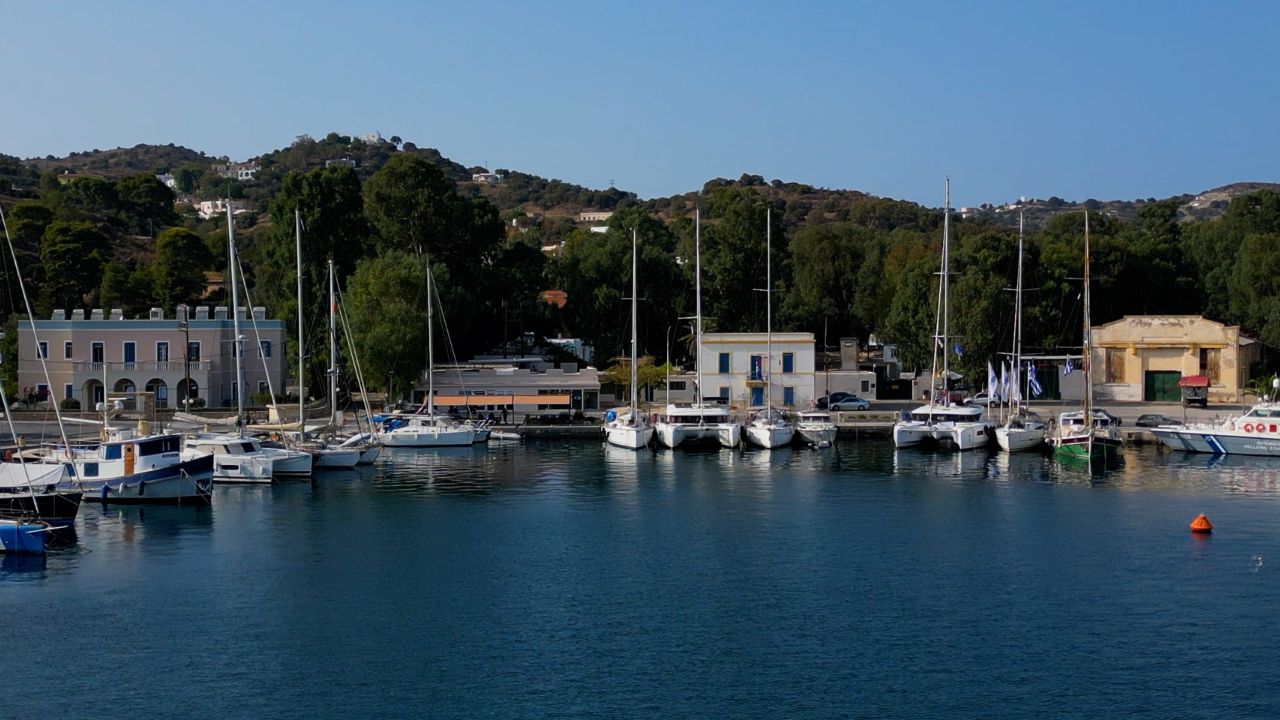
414,207
128,287
145,204
178,270
386,306
72,254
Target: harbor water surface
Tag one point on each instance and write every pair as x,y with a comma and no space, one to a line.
573,580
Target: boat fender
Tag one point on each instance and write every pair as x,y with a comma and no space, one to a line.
1248,427
142,488
106,489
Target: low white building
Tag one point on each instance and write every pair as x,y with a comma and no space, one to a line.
737,369
208,209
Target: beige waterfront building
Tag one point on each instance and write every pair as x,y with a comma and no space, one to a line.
166,356
1142,357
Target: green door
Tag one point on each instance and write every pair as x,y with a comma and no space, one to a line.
1161,386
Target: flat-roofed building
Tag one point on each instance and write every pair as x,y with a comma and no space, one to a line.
104,354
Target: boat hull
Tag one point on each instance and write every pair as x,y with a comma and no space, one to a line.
290,463
1079,451
242,469
55,507
629,436
187,483
335,459
816,434
1218,441
681,435
909,434
20,537
428,437
770,436
1015,439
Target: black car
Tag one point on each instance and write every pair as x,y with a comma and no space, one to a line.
1155,420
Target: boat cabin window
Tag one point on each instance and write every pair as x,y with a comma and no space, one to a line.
111,452
91,469
157,446
1263,412
246,447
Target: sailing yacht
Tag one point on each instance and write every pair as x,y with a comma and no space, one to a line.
424,428
236,457
769,428
963,427
700,423
1022,430
1086,435
631,430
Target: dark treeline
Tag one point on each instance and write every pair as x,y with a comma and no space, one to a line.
855,264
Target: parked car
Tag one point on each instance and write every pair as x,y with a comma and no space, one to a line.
853,402
1156,420
983,398
824,402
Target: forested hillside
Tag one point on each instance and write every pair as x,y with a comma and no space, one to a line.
99,230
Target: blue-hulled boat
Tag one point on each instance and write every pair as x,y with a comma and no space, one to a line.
23,537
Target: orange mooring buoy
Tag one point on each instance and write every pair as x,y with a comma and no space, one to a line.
1201,524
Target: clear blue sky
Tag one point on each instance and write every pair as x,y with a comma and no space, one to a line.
1086,99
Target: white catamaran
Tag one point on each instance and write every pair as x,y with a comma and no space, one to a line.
961,426
699,423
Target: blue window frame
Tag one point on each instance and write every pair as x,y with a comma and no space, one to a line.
724,363
788,362
789,396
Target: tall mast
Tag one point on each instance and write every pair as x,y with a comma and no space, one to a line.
768,299
634,265
237,347
946,285
431,355
1017,327
333,354
1087,340
697,303
302,382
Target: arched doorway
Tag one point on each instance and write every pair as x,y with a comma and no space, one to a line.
93,394
126,388
160,391
187,388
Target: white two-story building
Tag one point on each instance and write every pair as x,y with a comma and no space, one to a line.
737,371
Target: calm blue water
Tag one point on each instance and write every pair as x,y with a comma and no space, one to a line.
568,580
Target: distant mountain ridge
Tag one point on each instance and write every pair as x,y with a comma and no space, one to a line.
533,193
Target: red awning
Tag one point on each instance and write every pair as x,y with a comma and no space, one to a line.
1194,381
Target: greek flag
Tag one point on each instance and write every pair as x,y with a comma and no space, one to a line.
1066,369
1036,390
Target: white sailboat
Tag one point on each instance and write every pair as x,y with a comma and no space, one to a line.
769,427
1022,430
326,456
963,427
699,423
425,429
238,458
631,430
